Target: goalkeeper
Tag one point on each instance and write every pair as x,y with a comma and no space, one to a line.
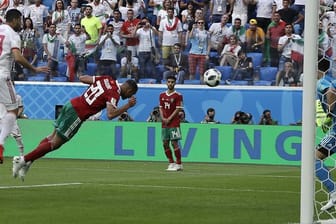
326,90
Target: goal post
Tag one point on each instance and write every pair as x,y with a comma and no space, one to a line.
308,112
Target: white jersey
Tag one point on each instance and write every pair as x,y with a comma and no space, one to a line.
9,39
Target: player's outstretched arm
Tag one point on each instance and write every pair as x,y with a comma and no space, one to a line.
23,61
87,79
113,112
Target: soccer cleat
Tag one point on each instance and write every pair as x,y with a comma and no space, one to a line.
23,171
1,154
171,167
179,167
331,203
18,163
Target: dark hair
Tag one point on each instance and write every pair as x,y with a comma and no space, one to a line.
266,111
178,45
132,84
171,77
56,4
12,14
24,26
210,109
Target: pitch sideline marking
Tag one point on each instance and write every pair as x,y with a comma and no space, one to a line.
38,185
197,188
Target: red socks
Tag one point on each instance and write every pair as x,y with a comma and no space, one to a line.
40,151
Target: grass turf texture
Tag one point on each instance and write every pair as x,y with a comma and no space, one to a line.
144,193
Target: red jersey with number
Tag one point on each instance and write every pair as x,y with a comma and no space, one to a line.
105,90
169,102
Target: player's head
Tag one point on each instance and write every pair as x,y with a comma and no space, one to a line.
171,81
128,89
14,19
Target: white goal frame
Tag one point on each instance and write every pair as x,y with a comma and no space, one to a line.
308,112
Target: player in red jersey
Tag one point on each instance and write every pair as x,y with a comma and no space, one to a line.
103,92
171,103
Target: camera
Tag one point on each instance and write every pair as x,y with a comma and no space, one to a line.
241,117
154,116
125,117
142,23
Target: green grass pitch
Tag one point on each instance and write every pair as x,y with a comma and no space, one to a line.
62,191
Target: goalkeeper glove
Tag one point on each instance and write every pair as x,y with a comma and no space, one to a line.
326,125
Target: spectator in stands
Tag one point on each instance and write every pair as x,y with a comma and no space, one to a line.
266,118
264,11
99,10
51,45
74,13
239,10
275,30
285,45
255,37
29,36
127,31
38,14
76,44
177,65
239,31
108,44
170,32
146,33
156,5
288,76
187,18
200,49
110,6
125,6
219,34
117,23
210,117
291,16
229,55
16,5
163,12
93,26
243,70
199,14
60,17
218,9
129,66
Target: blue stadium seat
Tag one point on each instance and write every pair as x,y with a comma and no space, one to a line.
225,70
37,78
192,82
91,68
262,83
239,82
268,73
62,68
59,79
147,81
257,59
122,80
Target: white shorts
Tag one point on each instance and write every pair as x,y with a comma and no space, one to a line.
8,94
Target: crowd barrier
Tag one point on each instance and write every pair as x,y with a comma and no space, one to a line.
112,140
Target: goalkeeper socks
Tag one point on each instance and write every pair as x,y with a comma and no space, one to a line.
40,151
322,174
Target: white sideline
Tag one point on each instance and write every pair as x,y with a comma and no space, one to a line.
196,188
38,185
